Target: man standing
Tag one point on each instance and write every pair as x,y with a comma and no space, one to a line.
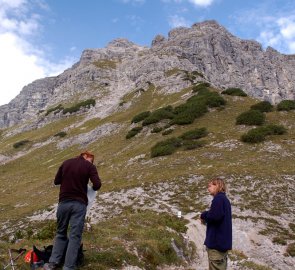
219,226
73,177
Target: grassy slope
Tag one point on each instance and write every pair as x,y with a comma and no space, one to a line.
26,183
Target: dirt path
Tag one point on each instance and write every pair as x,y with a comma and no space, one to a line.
196,233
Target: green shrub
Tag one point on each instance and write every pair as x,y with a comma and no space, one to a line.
131,133
56,109
158,115
214,100
166,147
258,134
286,105
168,131
186,113
18,235
46,232
188,76
190,145
196,106
292,226
156,130
197,73
291,249
210,99
251,117
254,136
60,134
279,240
234,92
263,106
75,108
272,129
183,119
200,86
20,144
140,117
194,134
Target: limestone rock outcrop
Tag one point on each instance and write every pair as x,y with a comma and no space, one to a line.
107,74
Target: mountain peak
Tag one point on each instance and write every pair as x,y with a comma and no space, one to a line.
121,43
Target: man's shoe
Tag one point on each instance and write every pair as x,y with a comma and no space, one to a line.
50,266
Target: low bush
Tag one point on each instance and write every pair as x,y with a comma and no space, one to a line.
134,131
263,106
291,249
188,76
279,241
60,134
47,231
292,227
183,119
141,116
75,108
210,99
194,134
156,130
257,135
200,86
158,115
185,114
168,131
55,109
166,147
20,144
197,73
190,145
286,105
272,129
251,117
196,106
234,92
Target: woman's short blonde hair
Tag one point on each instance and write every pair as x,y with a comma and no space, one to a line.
218,182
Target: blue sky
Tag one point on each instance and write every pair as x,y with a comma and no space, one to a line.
40,38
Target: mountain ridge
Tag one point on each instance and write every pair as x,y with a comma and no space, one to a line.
122,66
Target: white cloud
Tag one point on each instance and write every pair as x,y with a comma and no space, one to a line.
270,38
280,34
287,27
133,1
197,3
21,60
276,30
177,21
201,3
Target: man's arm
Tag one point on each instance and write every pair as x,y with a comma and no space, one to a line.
58,176
94,178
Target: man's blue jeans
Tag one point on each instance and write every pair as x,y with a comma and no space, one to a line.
68,213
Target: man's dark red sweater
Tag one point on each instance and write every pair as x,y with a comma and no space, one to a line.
73,176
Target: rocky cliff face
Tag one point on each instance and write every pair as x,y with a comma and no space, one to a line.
109,73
